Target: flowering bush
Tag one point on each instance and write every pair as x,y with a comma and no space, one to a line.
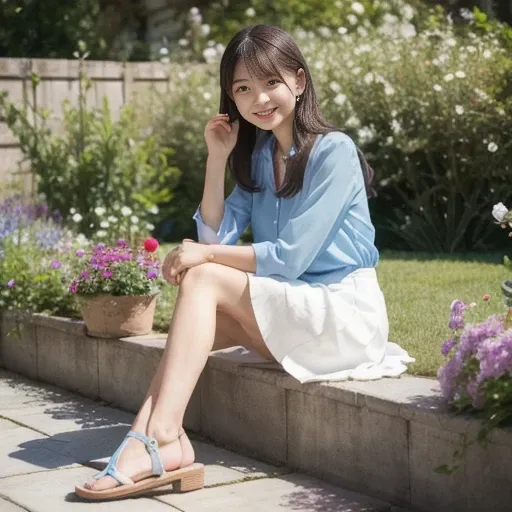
118,270
426,99
97,162
478,373
35,259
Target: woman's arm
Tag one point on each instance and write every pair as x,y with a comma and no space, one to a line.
212,204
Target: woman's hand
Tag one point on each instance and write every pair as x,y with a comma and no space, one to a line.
221,136
187,255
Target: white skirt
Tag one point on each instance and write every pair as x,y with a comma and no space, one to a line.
327,332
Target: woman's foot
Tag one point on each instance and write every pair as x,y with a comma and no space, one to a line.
135,462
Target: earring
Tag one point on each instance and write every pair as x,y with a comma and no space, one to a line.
298,98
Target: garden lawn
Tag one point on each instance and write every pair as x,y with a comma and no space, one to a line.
419,289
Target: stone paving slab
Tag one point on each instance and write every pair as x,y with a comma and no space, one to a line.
291,492
25,451
53,491
7,506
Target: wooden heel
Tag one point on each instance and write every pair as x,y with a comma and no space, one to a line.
192,481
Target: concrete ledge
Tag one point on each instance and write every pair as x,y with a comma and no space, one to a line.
383,438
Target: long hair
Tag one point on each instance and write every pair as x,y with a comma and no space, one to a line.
268,51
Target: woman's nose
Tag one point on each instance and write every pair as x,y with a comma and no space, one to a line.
262,98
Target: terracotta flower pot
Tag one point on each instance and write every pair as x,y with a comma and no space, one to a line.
109,316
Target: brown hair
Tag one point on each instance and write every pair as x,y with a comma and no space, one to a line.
266,51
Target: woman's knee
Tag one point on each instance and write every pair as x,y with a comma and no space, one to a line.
201,275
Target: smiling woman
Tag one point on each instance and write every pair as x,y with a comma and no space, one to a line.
304,294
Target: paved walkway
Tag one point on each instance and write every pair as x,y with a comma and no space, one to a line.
51,439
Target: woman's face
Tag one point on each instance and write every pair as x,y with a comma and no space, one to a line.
266,102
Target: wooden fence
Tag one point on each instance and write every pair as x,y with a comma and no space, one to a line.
59,81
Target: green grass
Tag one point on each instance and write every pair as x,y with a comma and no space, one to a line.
419,289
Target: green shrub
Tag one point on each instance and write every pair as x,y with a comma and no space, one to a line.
97,162
37,260
432,112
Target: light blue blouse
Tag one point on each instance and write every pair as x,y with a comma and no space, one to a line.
322,234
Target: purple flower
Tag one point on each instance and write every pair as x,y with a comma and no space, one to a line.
73,287
100,246
56,264
151,274
80,252
457,309
107,274
84,275
447,346
11,283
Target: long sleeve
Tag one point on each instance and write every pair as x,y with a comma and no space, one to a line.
336,181
237,215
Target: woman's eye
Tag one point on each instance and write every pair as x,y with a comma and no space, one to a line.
242,88
274,81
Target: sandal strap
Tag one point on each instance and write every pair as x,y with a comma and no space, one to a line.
157,466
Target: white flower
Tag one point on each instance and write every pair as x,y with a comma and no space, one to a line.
451,42
104,224
365,134
356,71
353,122
335,86
449,77
459,109
408,12
437,88
362,31
81,239
205,30
77,217
134,219
112,219
324,31
492,147
163,51
99,211
407,30
384,182
481,94
352,19
340,99
150,226
209,54
207,96
194,11
471,49
183,42
368,78
396,126
72,211
499,211
342,30
487,54
388,90
126,211
460,74
250,12
358,8
154,209
101,233
466,14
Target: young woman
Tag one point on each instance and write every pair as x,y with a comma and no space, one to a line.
305,293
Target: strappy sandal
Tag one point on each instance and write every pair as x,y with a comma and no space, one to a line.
189,478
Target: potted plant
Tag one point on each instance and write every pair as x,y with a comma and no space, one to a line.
117,288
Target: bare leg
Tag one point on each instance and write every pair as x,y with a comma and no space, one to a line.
205,290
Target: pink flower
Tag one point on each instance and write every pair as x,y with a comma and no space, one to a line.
56,264
107,274
11,283
486,297
150,244
80,252
151,274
